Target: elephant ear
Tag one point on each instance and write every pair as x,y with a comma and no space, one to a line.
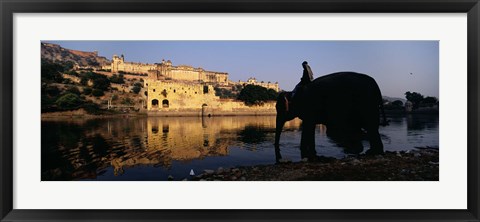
283,100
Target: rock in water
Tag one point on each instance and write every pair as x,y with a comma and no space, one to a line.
208,171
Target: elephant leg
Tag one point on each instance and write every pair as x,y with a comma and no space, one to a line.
370,122
307,143
376,145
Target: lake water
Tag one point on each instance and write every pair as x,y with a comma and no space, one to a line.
154,148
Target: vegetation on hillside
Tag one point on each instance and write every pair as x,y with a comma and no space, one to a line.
225,93
63,94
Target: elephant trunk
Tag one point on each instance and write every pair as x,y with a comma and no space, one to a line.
280,122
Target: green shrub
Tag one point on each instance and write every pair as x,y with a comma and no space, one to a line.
51,71
128,101
117,79
101,82
52,90
73,89
87,91
91,108
69,101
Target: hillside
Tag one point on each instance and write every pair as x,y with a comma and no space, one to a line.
391,99
56,53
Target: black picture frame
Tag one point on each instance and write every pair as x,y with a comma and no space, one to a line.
9,7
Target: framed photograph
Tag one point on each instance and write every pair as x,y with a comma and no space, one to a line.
252,111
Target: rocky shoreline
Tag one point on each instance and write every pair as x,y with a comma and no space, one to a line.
421,164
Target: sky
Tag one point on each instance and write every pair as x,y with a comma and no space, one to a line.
397,66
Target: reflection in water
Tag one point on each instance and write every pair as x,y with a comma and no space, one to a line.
154,148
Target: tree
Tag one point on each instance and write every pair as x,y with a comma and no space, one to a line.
139,84
255,95
74,90
97,92
84,80
52,90
430,101
51,72
128,101
68,65
87,90
415,98
91,108
101,82
136,89
69,101
117,79
224,93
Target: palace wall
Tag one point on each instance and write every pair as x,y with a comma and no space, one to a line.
165,97
165,70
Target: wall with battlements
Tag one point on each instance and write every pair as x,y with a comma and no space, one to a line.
119,65
253,81
166,71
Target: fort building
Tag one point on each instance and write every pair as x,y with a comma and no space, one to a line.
166,71
185,88
165,96
253,81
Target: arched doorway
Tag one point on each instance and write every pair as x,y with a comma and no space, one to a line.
155,104
165,103
205,110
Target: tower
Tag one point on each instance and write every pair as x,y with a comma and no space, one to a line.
117,63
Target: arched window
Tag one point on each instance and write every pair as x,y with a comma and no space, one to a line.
154,129
165,103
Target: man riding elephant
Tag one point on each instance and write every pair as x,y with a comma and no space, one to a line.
347,103
297,92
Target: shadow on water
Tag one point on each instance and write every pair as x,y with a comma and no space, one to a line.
253,134
155,148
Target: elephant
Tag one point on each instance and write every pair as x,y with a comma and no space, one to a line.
347,103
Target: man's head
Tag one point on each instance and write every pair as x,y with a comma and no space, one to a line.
304,63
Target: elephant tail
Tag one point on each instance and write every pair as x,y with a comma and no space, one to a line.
383,122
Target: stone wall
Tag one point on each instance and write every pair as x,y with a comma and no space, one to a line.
167,97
